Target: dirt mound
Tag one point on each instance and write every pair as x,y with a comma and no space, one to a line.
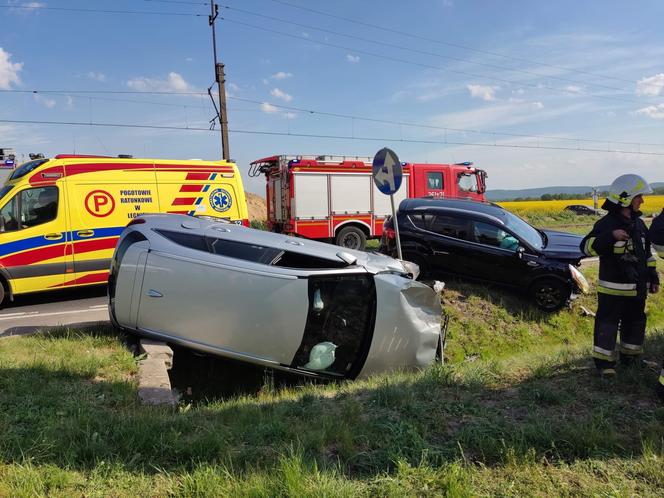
256,206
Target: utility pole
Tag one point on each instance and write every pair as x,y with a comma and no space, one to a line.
220,77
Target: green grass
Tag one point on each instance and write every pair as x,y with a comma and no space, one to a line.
519,412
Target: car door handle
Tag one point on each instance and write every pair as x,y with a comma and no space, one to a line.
85,233
444,253
154,293
532,263
53,236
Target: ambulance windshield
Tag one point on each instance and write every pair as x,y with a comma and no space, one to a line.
26,168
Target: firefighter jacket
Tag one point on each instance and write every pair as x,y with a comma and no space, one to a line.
657,234
626,267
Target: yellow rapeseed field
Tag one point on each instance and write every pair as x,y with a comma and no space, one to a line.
652,204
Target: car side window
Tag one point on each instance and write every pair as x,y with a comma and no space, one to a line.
450,226
492,235
8,216
421,220
38,205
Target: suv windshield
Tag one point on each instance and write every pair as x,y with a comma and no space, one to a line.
524,231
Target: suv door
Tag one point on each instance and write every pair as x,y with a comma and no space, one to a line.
495,255
447,235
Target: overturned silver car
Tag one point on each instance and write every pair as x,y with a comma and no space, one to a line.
271,300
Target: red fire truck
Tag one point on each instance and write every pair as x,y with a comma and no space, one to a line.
334,198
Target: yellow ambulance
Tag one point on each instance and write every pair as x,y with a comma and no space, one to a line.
60,218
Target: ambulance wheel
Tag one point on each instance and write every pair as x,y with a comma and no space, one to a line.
351,238
549,294
2,294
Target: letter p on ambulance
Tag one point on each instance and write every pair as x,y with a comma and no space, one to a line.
99,203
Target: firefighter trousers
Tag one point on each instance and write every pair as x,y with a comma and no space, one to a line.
614,314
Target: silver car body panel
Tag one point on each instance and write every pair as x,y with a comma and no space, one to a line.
407,326
230,308
258,312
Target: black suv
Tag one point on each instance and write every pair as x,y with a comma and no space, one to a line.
483,241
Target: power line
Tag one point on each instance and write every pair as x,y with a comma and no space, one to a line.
100,11
423,52
178,1
335,137
325,113
538,86
444,128
392,30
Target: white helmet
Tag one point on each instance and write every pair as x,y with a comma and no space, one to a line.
626,187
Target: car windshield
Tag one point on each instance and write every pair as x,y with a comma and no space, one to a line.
524,231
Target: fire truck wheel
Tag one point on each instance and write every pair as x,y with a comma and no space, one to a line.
351,238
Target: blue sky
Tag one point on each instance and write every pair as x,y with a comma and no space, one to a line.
537,93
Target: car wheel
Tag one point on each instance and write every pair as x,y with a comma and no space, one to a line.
351,238
549,294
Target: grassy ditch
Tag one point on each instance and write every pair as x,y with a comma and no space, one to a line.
519,412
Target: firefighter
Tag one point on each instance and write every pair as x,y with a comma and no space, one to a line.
657,239
626,273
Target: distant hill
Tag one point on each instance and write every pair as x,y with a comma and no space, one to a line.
501,195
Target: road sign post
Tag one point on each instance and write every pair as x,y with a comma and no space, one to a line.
387,175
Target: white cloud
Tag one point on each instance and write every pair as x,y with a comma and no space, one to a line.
9,70
574,89
92,75
265,81
189,59
45,101
268,108
537,105
484,92
27,8
275,92
353,59
653,111
448,3
281,75
173,83
305,34
290,115
70,102
653,85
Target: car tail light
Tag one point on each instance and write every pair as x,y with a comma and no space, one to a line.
391,234
136,221
245,222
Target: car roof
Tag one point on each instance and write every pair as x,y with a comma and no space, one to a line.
448,204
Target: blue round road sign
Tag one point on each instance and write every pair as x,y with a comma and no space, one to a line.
387,172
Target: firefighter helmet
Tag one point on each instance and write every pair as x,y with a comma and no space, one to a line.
624,188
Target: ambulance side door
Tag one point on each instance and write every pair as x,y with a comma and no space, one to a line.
102,202
33,238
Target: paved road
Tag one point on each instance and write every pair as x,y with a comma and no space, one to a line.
29,313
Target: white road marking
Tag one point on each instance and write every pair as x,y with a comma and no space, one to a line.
7,317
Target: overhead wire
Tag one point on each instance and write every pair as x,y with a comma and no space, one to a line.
410,34
422,52
538,86
336,137
100,11
326,113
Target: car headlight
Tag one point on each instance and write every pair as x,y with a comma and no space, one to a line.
411,268
580,280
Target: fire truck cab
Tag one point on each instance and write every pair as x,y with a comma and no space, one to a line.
334,198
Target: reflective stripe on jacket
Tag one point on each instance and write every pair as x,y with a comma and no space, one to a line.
626,267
